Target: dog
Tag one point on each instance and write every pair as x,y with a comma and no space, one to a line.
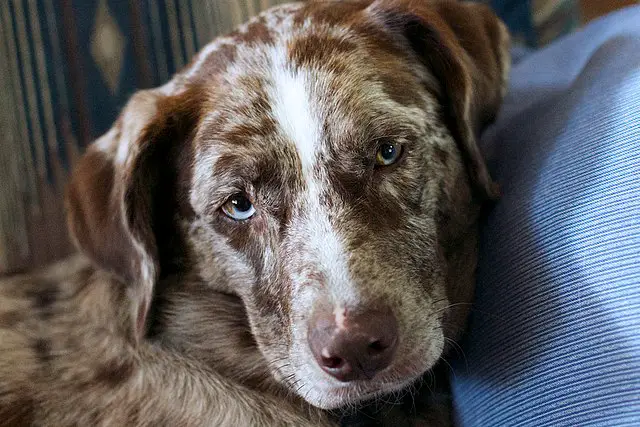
286,228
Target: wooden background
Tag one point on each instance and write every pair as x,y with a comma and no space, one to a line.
68,66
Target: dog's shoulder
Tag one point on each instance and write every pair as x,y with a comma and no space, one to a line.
46,282
48,320
30,304
68,291
68,357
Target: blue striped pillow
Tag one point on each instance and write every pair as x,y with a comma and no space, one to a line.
554,338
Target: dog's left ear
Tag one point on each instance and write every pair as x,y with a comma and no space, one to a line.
467,48
118,190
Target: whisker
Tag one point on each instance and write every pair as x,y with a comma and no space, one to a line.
450,367
459,352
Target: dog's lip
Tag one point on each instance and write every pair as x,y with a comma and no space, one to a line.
346,396
360,391
403,372
373,387
393,380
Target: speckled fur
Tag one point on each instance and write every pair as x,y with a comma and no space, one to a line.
177,315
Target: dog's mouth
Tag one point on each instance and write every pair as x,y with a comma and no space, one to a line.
359,394
324,388
356,393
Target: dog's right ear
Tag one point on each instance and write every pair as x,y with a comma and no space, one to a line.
114,188
466,47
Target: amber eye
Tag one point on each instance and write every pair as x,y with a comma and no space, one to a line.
239,207
388,154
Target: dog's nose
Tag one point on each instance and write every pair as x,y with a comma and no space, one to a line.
353,347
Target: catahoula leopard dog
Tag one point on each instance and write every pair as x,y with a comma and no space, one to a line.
286,228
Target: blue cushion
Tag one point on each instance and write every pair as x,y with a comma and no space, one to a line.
554,337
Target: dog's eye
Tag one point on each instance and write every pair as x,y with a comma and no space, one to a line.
388,154
239,207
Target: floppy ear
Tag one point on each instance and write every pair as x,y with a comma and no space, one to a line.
467,48
113,193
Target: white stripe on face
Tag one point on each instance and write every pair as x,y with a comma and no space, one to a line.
293,109
294,113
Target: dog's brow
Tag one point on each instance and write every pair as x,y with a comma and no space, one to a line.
293,111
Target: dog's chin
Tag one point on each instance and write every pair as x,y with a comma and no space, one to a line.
332,397
325,392
355,394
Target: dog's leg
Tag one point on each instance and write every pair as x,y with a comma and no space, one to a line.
66,359
152,387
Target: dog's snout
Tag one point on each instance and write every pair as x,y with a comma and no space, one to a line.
353,347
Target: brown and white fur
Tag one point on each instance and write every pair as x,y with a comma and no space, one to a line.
175,314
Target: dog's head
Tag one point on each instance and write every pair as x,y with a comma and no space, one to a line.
320,164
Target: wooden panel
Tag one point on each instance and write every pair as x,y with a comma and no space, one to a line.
68,68
592,9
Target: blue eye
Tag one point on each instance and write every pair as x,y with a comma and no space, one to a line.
239,207
388,154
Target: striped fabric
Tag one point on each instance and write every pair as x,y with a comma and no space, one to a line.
68,67
554,338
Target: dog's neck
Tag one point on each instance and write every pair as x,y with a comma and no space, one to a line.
213,328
